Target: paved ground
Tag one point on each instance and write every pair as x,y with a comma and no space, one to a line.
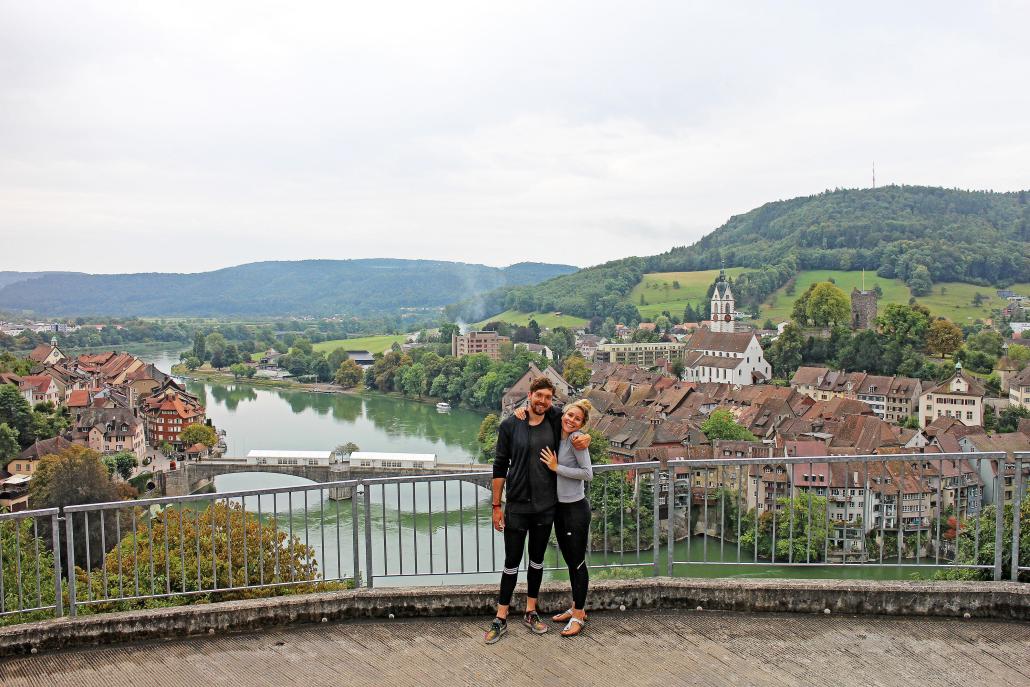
638,648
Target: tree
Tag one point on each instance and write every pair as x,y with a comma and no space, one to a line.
721,425
75,476
799,310
320,368
166,448
1020,355
978,299
943,337
348,448
786,354
193,363
861,352
349,374
231,356
561,341
920,282
827,305
1008,419
905,325
768,325
16,413
576,371
662,324
487,437
413,380
238,370
198,434
199,346
9,447
123,462
214,344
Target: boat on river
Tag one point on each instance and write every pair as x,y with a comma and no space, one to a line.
443,406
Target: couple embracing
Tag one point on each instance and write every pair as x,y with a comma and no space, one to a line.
542,463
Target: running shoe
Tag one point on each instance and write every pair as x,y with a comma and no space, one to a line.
532,620
498,628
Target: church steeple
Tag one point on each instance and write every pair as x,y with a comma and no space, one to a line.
723,304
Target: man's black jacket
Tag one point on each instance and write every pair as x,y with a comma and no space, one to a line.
524,474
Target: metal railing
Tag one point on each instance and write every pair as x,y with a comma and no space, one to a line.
921,511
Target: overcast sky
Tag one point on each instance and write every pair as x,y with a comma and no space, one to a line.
185,136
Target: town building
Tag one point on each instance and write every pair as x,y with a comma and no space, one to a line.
960,397
892,398
110,430
641,354
486,342
47,355
1019,389
725,356
169,411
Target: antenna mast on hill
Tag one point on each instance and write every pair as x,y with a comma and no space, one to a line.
863,279
874,175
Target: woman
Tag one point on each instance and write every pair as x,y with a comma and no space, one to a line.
572,517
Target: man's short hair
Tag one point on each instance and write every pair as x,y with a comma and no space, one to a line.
541,383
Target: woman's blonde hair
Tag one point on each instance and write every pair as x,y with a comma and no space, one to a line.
584,406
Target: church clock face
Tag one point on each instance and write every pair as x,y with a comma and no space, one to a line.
726,318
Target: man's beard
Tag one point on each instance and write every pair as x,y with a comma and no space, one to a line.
539,408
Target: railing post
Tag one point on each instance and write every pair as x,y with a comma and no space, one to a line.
55,530
367,496
1017,503
670,548
999,515
656,533
354,535
70,547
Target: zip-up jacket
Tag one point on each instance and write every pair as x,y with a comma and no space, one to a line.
523,478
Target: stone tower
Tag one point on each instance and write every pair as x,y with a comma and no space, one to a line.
723,305
863,309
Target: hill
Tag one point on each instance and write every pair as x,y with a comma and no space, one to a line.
920,235
306,287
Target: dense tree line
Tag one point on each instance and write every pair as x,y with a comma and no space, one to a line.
472,380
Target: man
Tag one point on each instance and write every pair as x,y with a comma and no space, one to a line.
532,495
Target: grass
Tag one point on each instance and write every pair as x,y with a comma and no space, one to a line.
778,307
372,344
659,292
953,300
546,320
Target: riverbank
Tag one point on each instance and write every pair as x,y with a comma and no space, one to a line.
220,377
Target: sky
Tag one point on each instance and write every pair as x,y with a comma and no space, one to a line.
187,136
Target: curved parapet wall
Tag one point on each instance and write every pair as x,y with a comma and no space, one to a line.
997,600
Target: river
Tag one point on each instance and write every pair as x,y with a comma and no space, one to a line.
424,535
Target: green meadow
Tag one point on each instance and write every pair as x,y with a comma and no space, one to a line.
547,320
372,344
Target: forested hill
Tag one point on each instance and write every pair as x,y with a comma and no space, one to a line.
915,233
307,287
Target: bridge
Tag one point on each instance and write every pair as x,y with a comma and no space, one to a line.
195,475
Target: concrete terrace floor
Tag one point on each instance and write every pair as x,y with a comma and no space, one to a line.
633,648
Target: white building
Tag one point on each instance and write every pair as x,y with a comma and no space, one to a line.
370,459
282,457
730,357
723,305
961,397
1019,389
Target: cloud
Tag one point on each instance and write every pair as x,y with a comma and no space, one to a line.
152,134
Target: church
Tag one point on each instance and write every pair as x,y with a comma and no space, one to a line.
719,353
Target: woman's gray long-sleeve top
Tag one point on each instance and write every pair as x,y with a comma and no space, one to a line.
574,469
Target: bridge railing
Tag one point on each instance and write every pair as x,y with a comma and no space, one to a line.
730,515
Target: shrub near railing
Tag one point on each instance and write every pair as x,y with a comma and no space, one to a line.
188,556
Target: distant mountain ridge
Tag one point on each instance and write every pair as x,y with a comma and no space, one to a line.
918,234
275,288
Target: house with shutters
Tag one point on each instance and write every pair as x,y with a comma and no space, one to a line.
960,397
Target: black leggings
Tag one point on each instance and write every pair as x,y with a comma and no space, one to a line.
516,527
572,525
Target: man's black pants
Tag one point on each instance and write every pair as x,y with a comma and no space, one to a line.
517,528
